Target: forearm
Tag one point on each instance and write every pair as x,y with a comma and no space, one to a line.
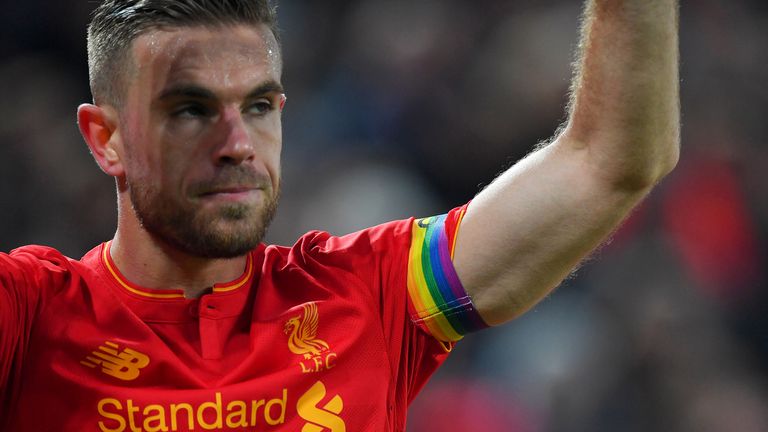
624,106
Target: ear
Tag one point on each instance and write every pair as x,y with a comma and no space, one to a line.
98,125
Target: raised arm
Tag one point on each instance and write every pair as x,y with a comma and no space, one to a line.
526,232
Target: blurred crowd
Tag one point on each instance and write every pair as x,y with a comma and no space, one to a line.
401,108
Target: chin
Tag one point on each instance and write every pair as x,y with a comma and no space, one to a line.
222,239
235,231
223,231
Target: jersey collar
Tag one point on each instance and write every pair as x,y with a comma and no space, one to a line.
162,304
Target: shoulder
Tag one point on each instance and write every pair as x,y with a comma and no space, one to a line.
373,240
38,257
43,265
33,269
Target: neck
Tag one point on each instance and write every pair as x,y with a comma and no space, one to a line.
148,261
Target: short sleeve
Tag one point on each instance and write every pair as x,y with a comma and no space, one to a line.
408,265
24,275
398,281
437,301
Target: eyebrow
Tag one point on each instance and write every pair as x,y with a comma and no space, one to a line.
266,87
196,92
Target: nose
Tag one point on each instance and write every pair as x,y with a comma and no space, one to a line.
236,144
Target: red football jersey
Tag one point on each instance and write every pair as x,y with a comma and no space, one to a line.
332,334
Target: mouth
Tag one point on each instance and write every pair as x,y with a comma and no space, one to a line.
237,185
230,190
231,193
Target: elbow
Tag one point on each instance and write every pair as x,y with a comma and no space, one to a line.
648,158
627,163
645,174
642,180
665,161
645,179
670,161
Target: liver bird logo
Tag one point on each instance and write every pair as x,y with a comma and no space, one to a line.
302,333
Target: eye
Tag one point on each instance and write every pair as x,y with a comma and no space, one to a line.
191,110
260,106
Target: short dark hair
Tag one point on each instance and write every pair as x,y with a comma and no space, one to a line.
117,23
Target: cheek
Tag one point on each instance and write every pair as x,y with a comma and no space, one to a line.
140,145
135,159
155,151
153,167
269,141
181,145
184,129
275,150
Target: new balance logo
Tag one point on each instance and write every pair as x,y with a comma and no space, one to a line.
321,419
125,365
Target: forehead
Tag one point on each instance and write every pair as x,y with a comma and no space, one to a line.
218,56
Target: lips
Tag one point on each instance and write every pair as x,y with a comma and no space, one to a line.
234,182
230,190
232,194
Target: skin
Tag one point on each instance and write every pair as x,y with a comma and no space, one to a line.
519,238
197,141
528,230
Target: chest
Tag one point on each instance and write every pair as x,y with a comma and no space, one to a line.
315,363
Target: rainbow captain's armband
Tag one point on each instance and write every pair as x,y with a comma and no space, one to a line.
437,300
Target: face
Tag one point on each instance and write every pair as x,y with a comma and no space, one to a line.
201,133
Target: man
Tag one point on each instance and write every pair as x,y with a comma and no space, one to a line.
185,321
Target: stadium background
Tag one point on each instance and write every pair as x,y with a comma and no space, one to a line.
400,108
